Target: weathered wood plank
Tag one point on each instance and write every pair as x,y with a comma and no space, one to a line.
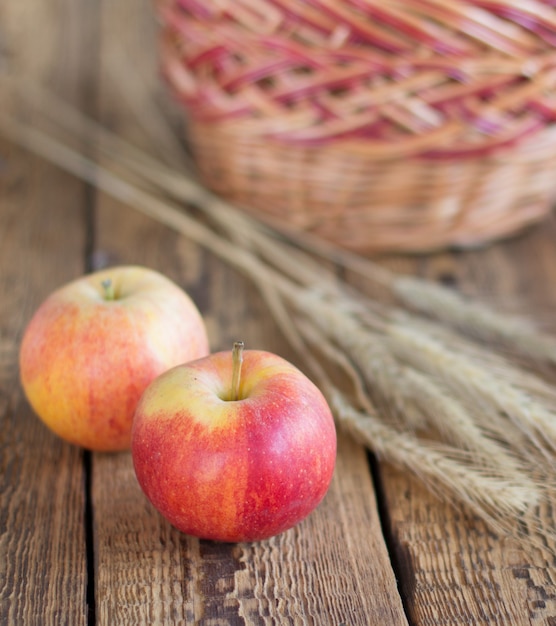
334,567
43,573
452,568
43,243
331,569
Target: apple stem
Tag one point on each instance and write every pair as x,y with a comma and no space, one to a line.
108,289
237,361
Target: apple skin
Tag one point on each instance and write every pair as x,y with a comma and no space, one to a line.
234,470
85,360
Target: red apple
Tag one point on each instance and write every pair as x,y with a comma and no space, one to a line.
94,345
234,457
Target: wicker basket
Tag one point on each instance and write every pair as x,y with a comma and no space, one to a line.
400,126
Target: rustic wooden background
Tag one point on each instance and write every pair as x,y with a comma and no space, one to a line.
79,544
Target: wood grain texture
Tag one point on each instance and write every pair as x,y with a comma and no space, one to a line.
331,569
318,573
453,569
42,542
43,239
329,564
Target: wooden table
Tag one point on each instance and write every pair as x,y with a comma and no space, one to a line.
79,544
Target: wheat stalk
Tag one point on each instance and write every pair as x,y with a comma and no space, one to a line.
418,398
475,319
493,391
451,473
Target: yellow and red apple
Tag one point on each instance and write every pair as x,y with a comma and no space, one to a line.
95,344
233,453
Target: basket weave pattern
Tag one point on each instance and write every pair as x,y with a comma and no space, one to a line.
406,125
